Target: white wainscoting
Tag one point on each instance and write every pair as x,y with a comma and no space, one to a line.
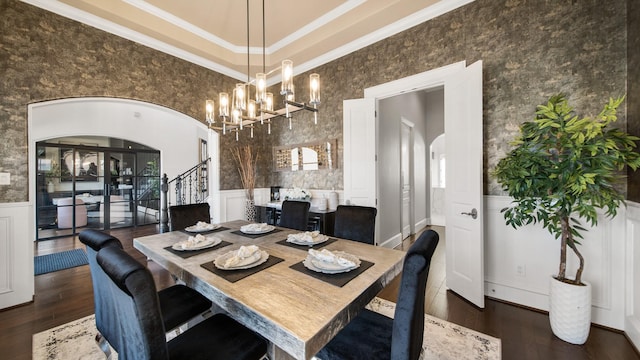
533,250
632,318
612,262
16,254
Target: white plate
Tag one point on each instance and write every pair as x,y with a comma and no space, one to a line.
220,260
195,229
207,243
267,229
320,239
314,264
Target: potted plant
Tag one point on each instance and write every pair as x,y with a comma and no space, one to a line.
562,169
246,158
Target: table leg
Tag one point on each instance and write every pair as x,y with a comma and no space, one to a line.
275,353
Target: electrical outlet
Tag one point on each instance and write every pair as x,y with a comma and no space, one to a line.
521,270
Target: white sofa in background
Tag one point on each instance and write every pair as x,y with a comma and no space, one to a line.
65,213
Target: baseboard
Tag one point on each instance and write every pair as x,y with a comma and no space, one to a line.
632,331
519,296
392,242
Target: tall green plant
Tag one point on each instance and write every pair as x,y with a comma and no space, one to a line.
562,169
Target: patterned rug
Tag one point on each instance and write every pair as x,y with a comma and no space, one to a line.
59,261
442,340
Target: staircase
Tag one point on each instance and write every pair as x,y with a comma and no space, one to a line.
190,187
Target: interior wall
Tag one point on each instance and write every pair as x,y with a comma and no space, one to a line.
414,107
568,47
433,105
633,88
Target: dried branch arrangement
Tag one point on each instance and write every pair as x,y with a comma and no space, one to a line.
246,158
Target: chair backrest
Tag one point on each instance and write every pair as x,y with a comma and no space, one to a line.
182,216
356,223
106,314
133,293
295,214
408,323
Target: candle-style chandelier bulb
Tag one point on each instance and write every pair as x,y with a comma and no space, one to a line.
261,88
314,89
251,109
287,77
224,105
269,103
209,106
239,97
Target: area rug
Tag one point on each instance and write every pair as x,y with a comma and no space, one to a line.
442,340
446,340
59,261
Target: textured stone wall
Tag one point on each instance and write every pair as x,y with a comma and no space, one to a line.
531,49
633,88
44,56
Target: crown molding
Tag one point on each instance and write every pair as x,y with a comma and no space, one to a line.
126,33
416,18
380,34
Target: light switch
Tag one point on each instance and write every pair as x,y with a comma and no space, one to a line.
5,178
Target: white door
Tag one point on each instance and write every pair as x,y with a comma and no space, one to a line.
359,139
464,230
406,176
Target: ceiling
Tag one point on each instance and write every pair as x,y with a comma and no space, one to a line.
213,33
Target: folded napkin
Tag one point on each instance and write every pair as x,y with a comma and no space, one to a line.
307,236
244,256
330,258
255,227
193,241
202,225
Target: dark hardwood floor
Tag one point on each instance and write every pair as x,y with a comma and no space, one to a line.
67,295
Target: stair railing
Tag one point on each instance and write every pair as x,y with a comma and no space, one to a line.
190,187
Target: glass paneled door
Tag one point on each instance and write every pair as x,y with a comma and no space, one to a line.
101,188
119,198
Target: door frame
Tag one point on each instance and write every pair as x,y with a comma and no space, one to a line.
410,162
444,76
427,80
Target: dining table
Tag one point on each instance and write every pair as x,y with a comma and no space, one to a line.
297,310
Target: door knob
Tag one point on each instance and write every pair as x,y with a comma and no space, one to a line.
473,213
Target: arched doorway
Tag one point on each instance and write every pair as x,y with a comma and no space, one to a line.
150,125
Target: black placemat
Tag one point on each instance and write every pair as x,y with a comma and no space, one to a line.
235,275
255,236
190,253
339,279
222,228
306,247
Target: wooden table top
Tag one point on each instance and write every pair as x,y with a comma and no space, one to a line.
296,312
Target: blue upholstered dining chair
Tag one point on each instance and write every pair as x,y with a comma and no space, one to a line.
374,336
178,303
356,223
182,216
295,214
141,330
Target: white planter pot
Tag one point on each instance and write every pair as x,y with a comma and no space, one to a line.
570,311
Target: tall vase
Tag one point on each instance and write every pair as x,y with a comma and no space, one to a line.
570,311
250,210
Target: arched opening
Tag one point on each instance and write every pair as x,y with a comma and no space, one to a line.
152,128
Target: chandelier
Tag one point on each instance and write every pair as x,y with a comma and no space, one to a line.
241,110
